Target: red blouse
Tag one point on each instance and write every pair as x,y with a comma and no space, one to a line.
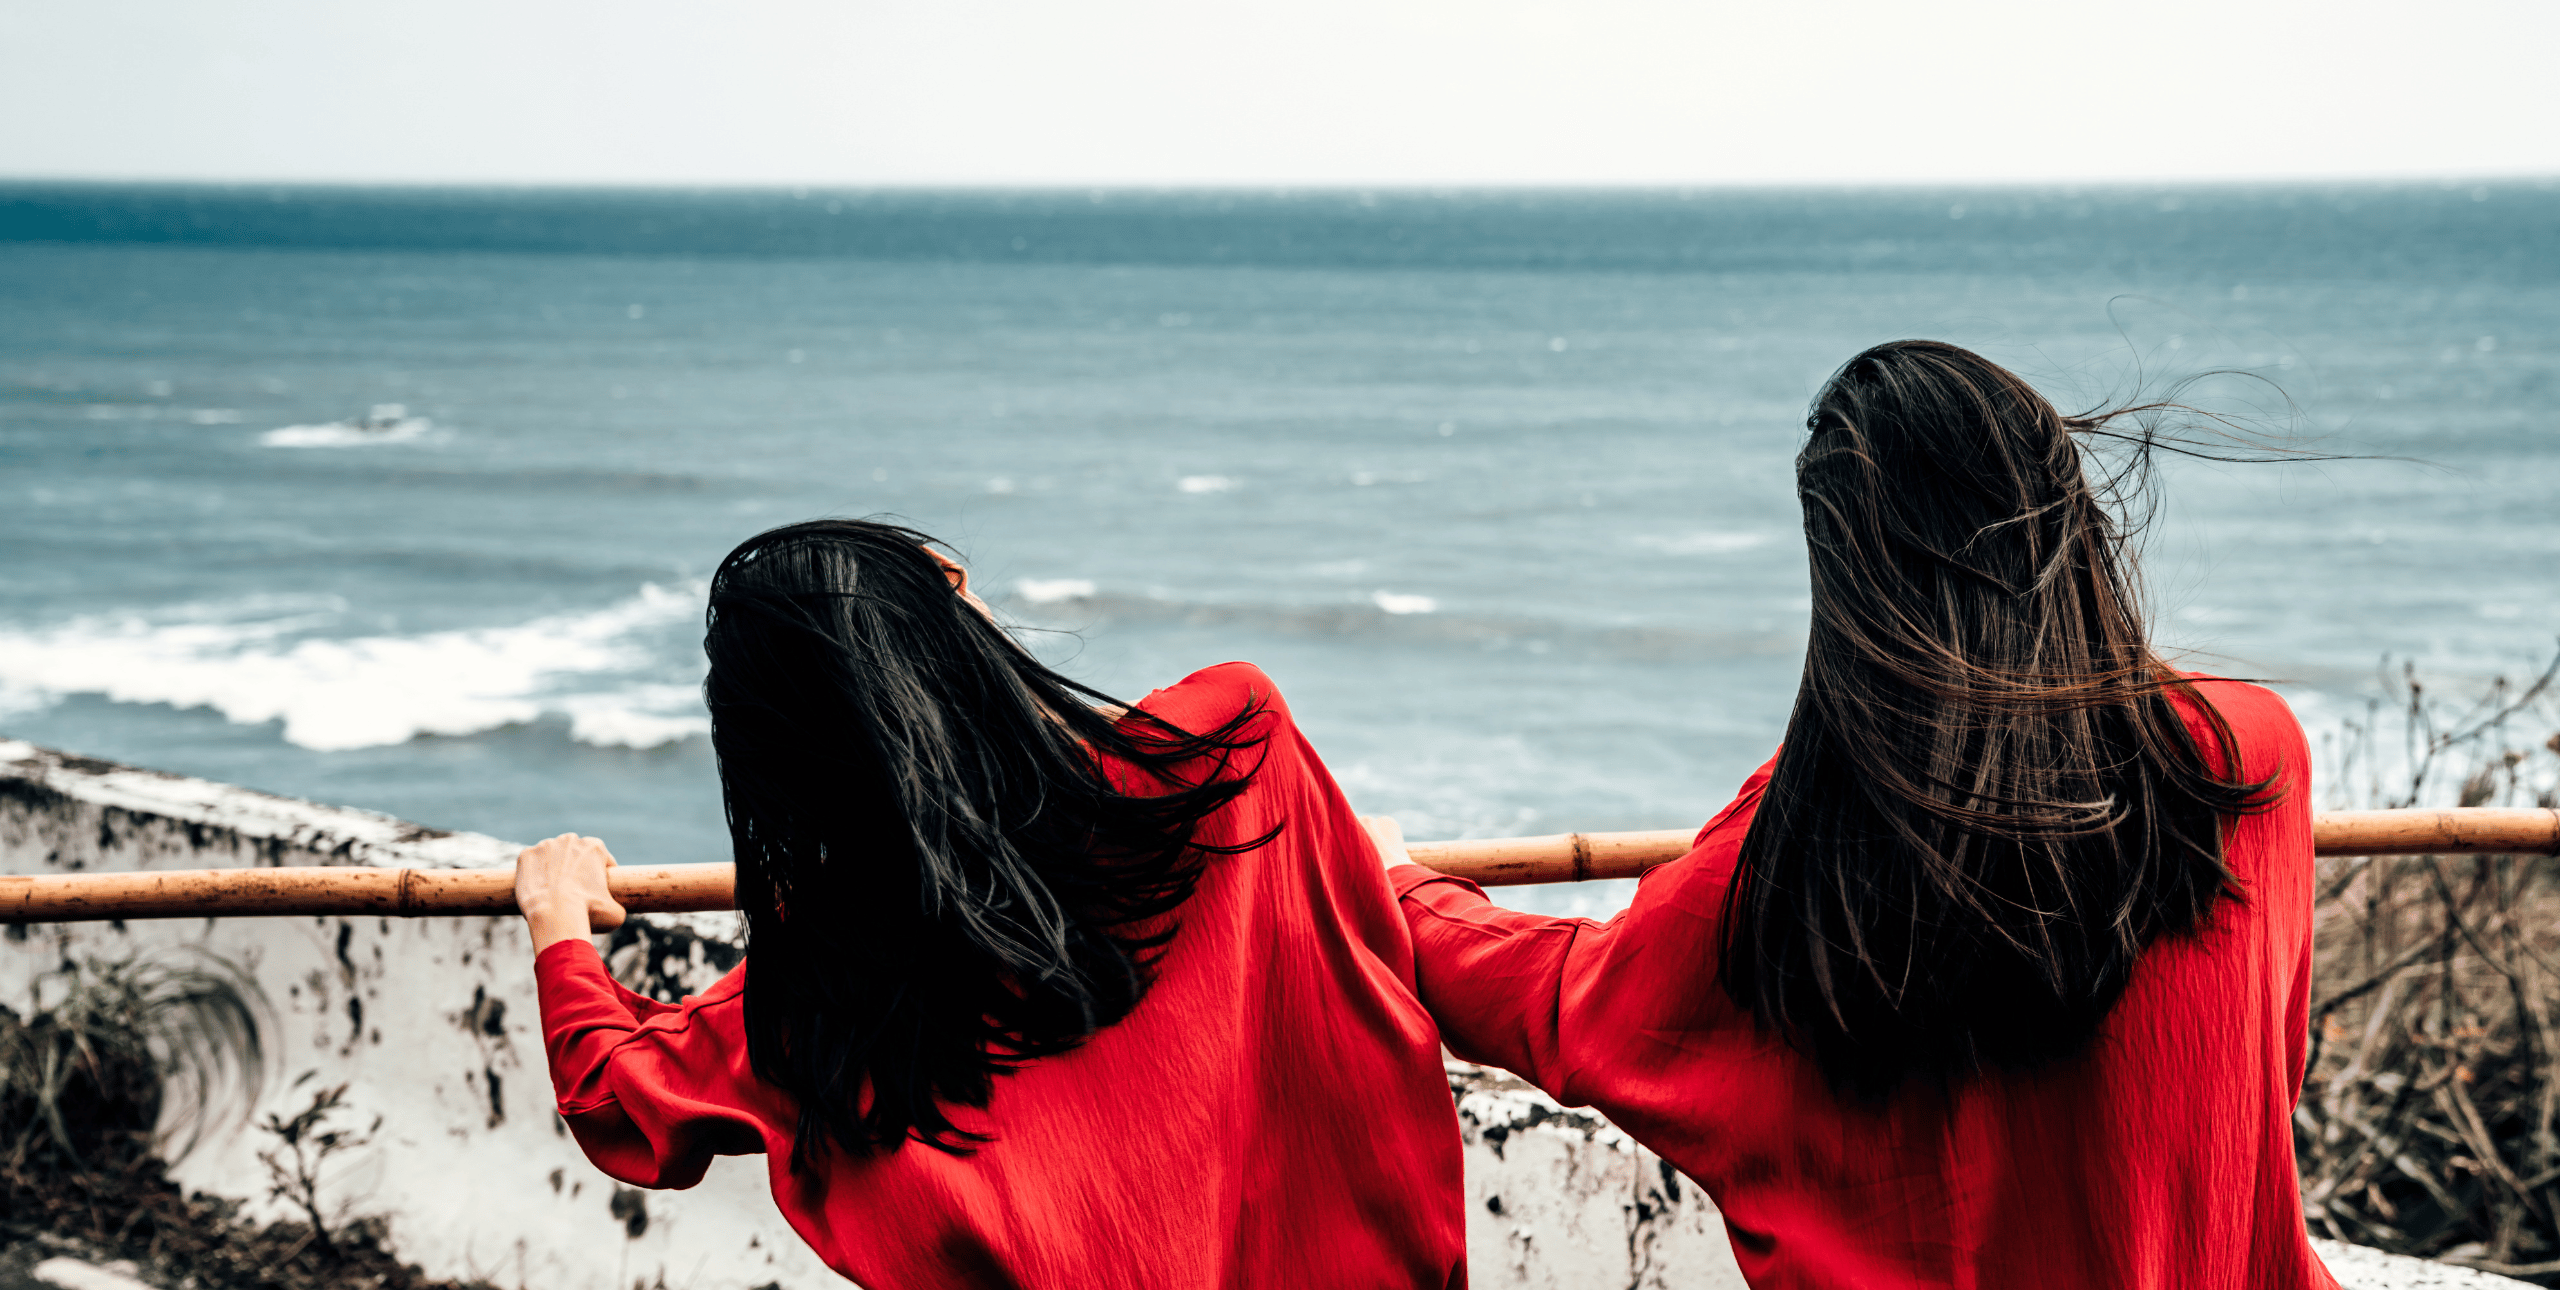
1274,1113
2161,1157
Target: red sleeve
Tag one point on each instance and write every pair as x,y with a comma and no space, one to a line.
652,1091
2292,863
1492,977
2271,853
1509,988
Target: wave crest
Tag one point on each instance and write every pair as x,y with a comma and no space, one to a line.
362,692
387,423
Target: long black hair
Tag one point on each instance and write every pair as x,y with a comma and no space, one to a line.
941,876
1987,805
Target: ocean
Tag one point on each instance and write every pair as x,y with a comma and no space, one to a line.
404,498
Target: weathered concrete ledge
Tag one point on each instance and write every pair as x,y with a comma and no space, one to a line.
433,1026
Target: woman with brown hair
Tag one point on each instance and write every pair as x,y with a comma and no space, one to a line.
1995,976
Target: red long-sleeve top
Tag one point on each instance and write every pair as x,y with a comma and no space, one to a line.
2160,1157
1274,1112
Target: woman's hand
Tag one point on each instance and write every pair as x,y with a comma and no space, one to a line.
560,889
1389,836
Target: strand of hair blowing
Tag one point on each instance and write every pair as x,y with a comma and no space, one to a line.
1987,805
941,879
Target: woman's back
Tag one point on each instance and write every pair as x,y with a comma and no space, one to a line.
2161,1155
1272,1113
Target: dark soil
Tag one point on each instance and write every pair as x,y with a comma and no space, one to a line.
80,1090
127,1209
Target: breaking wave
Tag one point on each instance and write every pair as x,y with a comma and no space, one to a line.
387,423
332,694
1049,591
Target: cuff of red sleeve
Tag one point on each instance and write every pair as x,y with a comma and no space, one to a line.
579,1010
570,980
640,1006
556,958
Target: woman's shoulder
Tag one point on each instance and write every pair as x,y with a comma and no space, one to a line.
1736,815
2269,736
1216,695
2249,707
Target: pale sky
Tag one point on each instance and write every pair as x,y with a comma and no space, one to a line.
1080,92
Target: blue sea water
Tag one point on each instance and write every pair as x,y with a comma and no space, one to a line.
1496,485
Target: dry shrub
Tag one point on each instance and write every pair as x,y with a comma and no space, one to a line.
2430,1117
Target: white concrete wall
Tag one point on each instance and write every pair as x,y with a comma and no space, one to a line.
433,1026
1559,1199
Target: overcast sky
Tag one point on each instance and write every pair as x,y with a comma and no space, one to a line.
1294,92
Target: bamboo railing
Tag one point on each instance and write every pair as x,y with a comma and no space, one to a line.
680,888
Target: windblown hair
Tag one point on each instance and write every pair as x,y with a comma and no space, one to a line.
1987,805
940,875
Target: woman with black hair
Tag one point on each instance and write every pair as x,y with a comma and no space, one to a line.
1040,990
1996,975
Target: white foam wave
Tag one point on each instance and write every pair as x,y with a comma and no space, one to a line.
335,694
388,423
1402,603
1708,543
1049,591
1206,484
641,716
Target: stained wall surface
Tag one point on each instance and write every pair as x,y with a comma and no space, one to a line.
432,1027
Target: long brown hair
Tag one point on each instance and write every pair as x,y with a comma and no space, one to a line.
1987,805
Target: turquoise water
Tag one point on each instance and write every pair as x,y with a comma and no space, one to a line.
1496,485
